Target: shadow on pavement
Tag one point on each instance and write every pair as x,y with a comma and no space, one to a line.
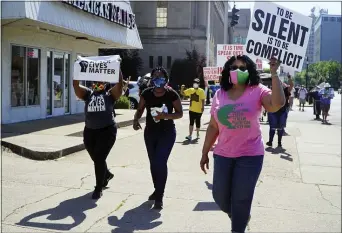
140,218
188,142
73,208
206,206
281,151
209,186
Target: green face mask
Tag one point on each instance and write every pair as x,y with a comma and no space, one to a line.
239,77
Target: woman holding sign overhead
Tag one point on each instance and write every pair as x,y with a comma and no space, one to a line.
100,130
239,153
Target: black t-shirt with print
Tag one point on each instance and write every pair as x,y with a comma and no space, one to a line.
98,109
152,101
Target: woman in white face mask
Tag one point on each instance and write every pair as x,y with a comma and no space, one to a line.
239,153
197,97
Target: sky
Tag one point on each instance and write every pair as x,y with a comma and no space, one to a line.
303,7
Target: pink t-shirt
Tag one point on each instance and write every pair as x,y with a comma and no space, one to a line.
238,121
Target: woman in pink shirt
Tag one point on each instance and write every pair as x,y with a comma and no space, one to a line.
239,153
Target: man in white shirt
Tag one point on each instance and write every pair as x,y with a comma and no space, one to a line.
302,97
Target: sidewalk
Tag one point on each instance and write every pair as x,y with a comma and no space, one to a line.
55,137
52,138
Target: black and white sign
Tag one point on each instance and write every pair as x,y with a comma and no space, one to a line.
106,10
97,104
99,68
276,31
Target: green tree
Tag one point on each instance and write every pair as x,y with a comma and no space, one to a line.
131,63
184,71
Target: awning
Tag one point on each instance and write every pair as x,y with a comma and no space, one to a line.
110,23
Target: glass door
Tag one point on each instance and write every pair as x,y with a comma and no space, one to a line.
67,82
49,84
58,84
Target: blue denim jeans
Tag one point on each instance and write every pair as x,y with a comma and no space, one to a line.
233,187
277,121
159,144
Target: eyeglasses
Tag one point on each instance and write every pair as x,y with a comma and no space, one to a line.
242,68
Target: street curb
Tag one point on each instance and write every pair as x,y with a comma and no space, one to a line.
44,155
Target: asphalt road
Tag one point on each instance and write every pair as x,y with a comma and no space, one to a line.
299,189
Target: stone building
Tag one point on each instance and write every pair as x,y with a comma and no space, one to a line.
168,28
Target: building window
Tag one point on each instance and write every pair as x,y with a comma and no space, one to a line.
160,61
151,62
338,19
332,19
325,19
169,62
25,76
162,14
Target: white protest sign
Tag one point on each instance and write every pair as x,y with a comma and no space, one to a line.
99,68
211,73
276,31
226,51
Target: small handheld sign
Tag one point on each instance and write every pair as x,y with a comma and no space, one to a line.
99,68
211,73
276,31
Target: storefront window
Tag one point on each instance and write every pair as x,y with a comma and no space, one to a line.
33,74
25,76
18,76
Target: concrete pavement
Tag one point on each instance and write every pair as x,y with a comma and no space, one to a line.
299,189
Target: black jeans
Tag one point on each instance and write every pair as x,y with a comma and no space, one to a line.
159,144
98,143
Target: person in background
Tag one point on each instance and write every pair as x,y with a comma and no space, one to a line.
160,130
239,153
326,95
291,99
287,91
277,120
302,92
315,95
100,129
197,98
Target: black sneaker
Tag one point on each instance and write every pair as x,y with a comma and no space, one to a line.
280,145
158,205
97,194
108,178
269,144
152,197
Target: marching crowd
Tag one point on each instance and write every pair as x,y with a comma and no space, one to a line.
234,128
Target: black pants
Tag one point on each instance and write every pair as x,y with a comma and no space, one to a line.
98,143
317,108
195,116
159,144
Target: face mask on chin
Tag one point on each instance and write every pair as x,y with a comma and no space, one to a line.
195,85
239,77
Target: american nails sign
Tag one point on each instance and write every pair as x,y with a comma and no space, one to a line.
106,10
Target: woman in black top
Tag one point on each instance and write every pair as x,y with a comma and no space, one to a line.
160,131
100,130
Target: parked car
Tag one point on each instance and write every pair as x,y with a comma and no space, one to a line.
133,96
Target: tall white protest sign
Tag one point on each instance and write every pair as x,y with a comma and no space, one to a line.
276,31
97,68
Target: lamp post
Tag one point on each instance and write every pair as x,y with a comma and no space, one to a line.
306,73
